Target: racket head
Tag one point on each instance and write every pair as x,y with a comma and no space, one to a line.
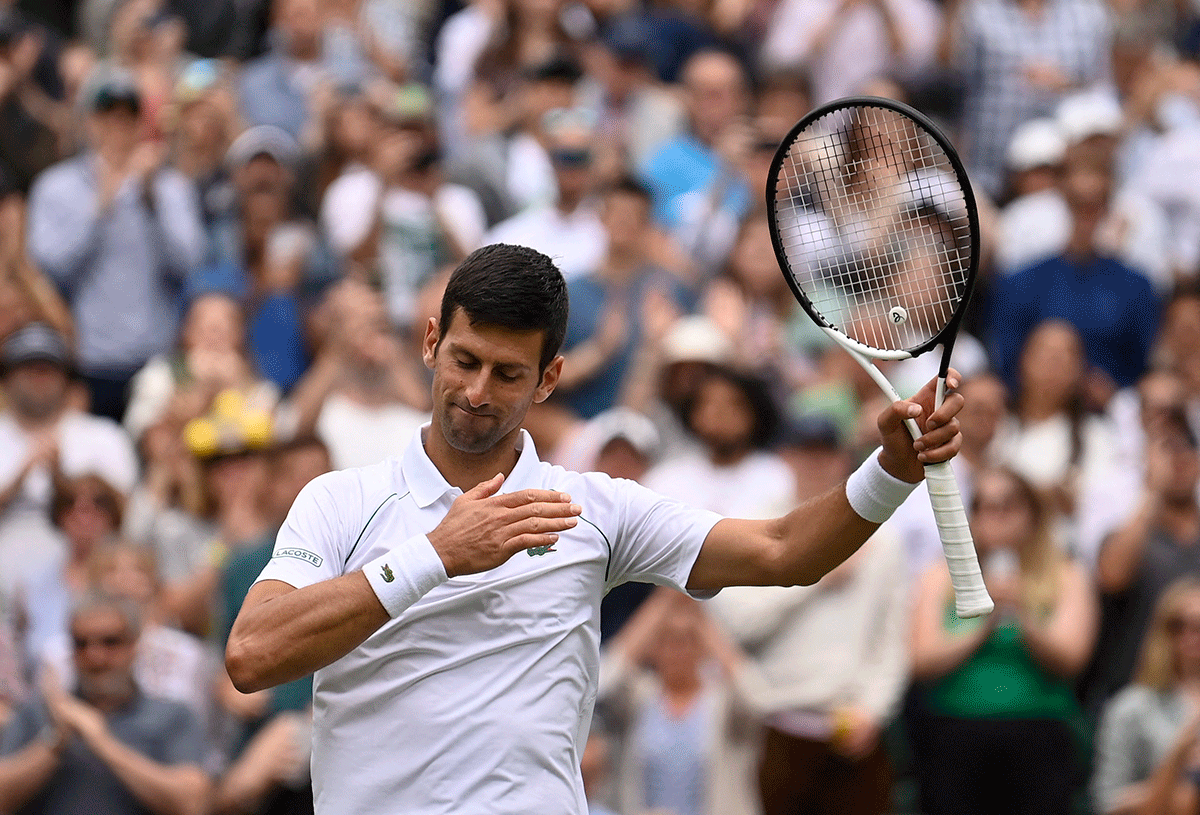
875,226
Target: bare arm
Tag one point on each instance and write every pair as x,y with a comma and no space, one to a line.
283,633
807,543
1064,643
1120,556
24,773
935,651
166,789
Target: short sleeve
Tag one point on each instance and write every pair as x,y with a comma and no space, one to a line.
320,530
657,539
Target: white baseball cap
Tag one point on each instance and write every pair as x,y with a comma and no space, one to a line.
1037,143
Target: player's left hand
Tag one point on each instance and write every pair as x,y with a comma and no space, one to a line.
905,457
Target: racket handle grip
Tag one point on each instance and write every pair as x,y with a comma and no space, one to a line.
971,597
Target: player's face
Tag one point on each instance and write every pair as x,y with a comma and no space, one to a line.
485,377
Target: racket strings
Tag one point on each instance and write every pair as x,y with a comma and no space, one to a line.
874,226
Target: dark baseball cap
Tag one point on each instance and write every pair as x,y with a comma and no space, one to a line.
35,342
111,86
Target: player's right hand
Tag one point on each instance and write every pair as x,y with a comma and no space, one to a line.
483,529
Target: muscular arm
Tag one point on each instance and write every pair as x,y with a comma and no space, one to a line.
283,633
323,623
804,545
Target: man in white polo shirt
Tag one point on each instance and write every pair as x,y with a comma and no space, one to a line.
449,600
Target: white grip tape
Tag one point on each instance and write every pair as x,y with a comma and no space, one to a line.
971,597
873,492
405,574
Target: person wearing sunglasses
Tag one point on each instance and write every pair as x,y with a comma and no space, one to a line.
1147,759
103,746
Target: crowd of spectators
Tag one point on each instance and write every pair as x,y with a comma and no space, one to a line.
224,228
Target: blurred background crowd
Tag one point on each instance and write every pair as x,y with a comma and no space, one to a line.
224,225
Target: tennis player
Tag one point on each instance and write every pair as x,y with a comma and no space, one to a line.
449,600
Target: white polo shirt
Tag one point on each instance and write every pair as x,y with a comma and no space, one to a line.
478,698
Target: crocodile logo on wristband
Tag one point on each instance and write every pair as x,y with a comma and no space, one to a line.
388,575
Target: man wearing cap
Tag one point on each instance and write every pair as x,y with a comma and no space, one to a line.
40,436
120,234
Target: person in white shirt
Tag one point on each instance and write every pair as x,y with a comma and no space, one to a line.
735,418
42,435
448,600
568,230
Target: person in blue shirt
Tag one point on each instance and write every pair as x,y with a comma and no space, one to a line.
699,189
1112,305
605,329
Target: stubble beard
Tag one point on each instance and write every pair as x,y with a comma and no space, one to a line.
466,440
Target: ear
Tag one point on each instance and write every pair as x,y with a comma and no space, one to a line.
429,344
549,379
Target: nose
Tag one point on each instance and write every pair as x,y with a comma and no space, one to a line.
476,390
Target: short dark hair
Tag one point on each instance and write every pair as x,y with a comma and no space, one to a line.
513,287
626,184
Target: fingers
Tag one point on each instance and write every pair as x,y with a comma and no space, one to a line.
487,488
531,496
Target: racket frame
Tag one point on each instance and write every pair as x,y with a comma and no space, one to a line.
971,595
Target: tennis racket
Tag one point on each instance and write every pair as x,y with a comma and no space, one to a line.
875,228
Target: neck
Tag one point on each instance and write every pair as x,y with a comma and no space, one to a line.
468,470
727,455
32,424
620,266
1036,407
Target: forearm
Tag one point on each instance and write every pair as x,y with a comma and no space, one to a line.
1059,654
24,773
1162,787
175,227
45,298
308,397
1121,555
582,363
166,790
299,631
819,535
938,656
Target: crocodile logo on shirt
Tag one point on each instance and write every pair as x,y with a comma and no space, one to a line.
388,576
538,551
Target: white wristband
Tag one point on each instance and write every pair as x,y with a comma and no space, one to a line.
873,492
405,574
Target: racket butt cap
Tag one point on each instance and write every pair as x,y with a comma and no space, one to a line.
975,608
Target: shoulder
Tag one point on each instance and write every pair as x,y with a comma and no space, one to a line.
65,172
1130,704
351,489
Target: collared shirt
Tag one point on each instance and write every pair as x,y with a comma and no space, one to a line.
122,270
477,698
165,732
